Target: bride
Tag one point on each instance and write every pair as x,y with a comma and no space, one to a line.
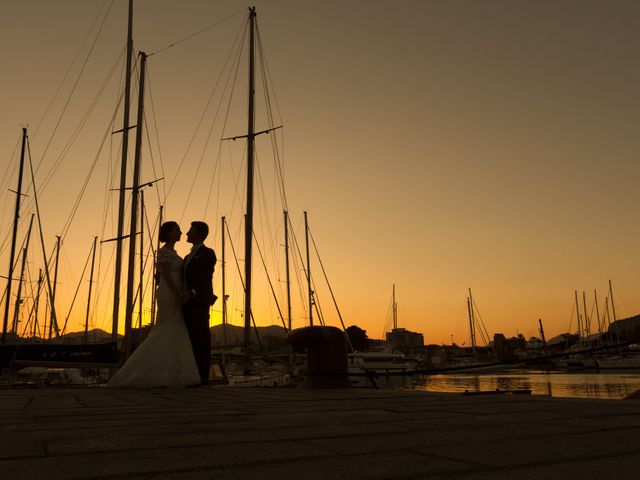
165,358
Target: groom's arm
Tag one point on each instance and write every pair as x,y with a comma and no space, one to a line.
203,274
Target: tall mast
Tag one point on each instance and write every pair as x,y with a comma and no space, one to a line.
16,309
248,229
587,327
123,176
55,284
470,318
86,321
134,209
286,256
544,340
309,290
16,217
140,299
37,303
472,323
613,306
224,287
153,281
575,292
595,296
394,309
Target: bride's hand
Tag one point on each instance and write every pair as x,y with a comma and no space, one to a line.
184,297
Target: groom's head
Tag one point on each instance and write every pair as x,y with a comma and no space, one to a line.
197,233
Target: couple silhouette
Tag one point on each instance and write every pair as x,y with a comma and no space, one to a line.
177,351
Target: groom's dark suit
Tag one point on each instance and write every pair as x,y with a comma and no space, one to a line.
198,274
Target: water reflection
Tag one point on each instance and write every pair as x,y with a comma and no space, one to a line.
556,384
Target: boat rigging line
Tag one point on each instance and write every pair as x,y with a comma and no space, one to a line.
75,85
157,137
324,272
75,295
235,256
234,52
54,321
188,37
75,58
273,292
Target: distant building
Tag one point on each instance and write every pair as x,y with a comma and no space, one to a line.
405,341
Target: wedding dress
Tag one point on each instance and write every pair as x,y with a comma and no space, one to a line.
165,358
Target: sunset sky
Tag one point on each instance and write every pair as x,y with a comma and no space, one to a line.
436,145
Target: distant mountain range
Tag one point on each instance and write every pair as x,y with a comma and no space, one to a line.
235,334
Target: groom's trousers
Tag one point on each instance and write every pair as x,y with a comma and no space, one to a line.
196,318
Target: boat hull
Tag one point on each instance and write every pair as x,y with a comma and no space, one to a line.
49,354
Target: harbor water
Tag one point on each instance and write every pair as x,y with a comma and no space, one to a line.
609,385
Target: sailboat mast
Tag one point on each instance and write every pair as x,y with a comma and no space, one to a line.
123,176
286,256
544,340
93,262
37,304
395,309
595,296
470,317
16,309
613,306
309,290
587,327
248,229
140,299
134,209
575,292
12,255
472,323
224,286
55,284
153,281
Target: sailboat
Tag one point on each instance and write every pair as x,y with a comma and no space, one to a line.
365,365
15,352
54,353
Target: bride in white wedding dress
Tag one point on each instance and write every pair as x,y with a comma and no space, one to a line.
165,358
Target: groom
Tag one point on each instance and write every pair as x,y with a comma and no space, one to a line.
197,274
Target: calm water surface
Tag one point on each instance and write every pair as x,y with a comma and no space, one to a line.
611,385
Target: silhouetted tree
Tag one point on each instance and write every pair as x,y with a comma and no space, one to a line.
358,338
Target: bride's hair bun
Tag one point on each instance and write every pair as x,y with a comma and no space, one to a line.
165,231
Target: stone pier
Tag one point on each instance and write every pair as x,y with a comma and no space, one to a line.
286,433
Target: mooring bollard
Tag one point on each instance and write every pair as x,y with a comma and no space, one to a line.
326,349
